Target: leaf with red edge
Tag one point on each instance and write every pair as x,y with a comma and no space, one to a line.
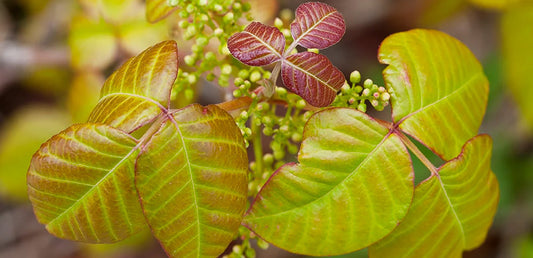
317,25
257,45
312,77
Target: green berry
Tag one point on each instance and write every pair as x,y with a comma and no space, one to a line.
368,83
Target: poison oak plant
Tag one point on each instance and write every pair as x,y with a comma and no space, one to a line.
184,172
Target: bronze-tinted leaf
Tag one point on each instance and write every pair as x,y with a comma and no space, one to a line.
135,93
257,45
312,77
317,25
192,182
451,211
80,183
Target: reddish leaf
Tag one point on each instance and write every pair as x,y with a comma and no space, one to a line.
317,25
257,45
313,77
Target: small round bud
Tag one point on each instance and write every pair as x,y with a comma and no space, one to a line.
202,41
183,24
296,137
267,131
361,107
368,83
366,92
351,101
374,102
237,6
228,18
268,159
345,88
313,50
210,77
173,2
385,96
278,23
218,32
300,104
189,60
282,92
190,8
237,93
358,89
375,95
279,154
286,33
284,128
218,8
192,79
183,14
238,81
226,69
244,115
243,74
355,77
237,249
381,89
255,76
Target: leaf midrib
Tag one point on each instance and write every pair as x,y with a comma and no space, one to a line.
97,184
195,198
367,158
309,74
279,55
297,41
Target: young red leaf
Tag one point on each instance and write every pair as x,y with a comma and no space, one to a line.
317,25
257,45
313,77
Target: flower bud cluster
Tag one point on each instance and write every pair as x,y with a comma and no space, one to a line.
356,94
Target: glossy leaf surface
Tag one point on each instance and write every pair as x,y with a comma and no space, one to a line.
313,77
157,10
257,45
517,39
451,211
353,185
135,93
80,183
439,91
317,25
192,182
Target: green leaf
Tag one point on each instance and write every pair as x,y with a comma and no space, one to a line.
438,88
81,185
18,141
352,187
157,10
192,181
137,92
517,39
451,211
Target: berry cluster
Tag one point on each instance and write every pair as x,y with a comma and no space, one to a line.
356,95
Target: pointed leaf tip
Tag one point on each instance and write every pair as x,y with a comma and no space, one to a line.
317,25
313,77
257,45
135,93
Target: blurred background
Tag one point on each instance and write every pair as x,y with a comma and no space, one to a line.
56,54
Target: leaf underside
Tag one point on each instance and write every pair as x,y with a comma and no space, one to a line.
140,88
192,182
80,183
317,25
157,10
352,187
451,212
439,91
312,77
257,45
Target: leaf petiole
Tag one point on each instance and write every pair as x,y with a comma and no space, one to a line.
412,147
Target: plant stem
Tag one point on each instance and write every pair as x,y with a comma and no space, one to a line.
412,147
258,146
